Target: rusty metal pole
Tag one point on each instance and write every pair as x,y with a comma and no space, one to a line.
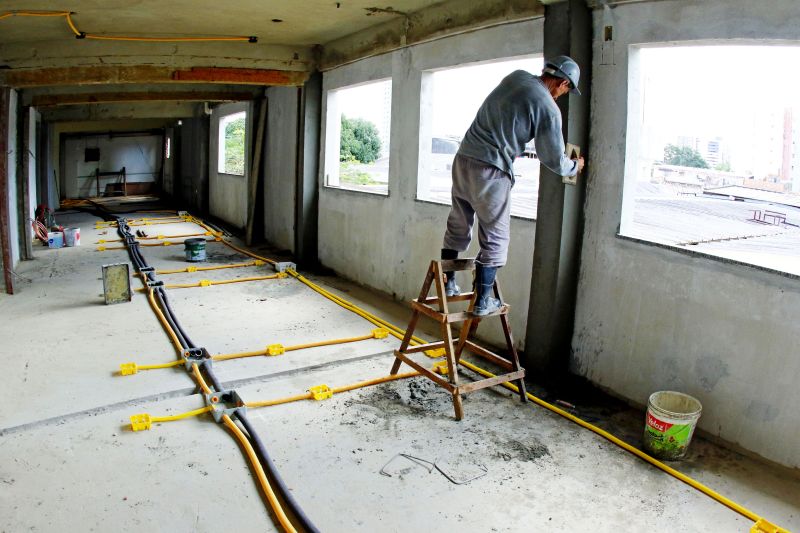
5,237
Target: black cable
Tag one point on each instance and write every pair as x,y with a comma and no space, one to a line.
168,309
139,261
261,451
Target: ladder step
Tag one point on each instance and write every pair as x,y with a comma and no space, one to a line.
461,317
457,265
459,298
490,382
458,316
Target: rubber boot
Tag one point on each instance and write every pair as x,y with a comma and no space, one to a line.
484,285
450,287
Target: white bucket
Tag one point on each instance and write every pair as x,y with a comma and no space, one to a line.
55,239
72,236
669,426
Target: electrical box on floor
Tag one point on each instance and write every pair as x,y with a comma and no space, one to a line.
116,283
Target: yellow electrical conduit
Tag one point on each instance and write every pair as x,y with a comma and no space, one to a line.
160,237
761,525
151,244
322,392
256,263
209,283
114,224
144,222
251,454
201,382
161,318
262,477
228,243
82,35
144,421
278,349
128,369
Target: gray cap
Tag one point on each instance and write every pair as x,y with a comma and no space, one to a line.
565,68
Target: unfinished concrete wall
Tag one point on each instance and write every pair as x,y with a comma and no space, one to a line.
14,214
193,193
280,166
227,192
651,318
387,242
141,155
55,129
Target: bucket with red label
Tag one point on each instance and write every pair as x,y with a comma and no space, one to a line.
669,425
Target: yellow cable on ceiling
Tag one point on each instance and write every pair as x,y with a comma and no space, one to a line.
83,35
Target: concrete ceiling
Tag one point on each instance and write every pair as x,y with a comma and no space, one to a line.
84,77
304,23
311,34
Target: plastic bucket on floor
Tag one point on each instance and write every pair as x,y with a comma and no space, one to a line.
72,236
669,426
55,239
195,250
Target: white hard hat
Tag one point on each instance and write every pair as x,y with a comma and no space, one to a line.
565,68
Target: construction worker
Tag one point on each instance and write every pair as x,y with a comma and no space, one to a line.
522,107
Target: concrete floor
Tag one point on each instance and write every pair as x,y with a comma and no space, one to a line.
68,461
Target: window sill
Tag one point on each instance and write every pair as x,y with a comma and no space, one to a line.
356,190
704,255
431,201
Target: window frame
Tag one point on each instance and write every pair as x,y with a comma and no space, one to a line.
331,164
634,131
426,118
224,119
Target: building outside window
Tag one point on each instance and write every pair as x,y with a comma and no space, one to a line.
450,99
706,170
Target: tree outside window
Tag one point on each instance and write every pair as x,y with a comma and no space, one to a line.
232,144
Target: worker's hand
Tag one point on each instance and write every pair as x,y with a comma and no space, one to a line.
580,164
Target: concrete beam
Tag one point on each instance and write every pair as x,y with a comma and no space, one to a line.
70,52
144,74
441,20
559,221
51,100
119,111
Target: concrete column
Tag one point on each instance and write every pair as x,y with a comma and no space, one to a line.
559,221
5,232
308,150
24,180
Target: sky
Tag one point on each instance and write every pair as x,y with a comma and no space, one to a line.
459,92
734,92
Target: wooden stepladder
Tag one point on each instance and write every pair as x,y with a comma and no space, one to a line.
438,309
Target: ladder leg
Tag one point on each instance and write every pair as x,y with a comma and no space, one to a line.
452,369
412,324
458,406
523,396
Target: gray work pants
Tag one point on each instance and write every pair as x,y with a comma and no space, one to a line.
483,190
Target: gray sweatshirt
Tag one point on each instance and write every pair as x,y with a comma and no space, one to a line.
516,111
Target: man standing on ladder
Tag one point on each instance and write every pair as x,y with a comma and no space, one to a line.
521,108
